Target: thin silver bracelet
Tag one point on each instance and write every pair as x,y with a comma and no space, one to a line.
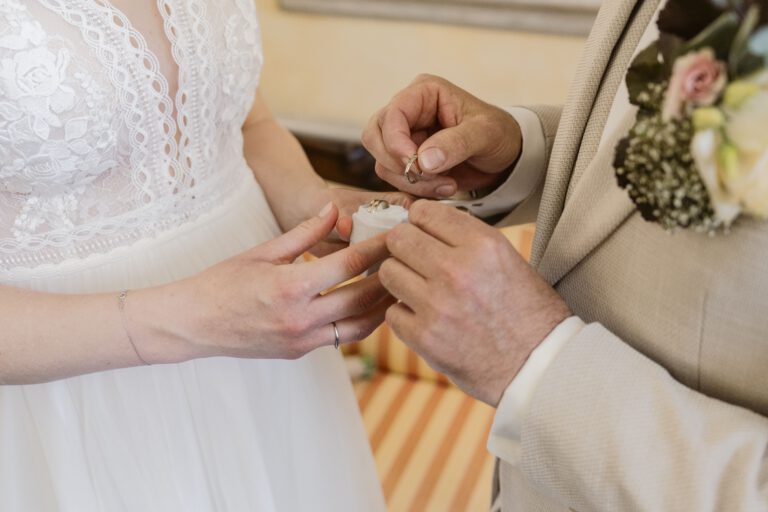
121,306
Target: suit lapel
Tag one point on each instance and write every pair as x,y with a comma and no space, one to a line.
606,33
595,206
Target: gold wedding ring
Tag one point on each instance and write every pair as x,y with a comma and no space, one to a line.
377,205
408,174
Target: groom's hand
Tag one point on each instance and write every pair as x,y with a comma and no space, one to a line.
470,305
462,142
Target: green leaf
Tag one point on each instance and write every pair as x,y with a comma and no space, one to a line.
763,4
749,64
646,68
739,47
687,18
669,48
718,35
620,158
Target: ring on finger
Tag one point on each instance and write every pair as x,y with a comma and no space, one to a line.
337,339
408,175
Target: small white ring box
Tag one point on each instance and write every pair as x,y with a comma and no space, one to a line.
374,218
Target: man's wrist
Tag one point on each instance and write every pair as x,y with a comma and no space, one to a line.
521,178
515,138
540,326
517,142
516,399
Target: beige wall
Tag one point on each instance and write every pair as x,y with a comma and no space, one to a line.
341,69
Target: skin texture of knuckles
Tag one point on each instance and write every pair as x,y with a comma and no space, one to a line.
486,308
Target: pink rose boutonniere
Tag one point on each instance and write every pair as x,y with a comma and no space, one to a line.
697,155
697,80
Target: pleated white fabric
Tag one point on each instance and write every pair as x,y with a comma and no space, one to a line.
207,435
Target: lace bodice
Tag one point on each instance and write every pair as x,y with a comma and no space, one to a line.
96,151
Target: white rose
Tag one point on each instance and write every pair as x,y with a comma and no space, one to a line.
754,194
746,126
36,73
746,130
735,171
704,149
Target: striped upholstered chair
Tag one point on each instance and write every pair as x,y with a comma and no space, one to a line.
427,436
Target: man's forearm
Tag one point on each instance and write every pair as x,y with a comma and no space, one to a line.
615,425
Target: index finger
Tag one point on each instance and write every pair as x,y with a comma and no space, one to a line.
343,265
415,248
444,222
396,133
414,109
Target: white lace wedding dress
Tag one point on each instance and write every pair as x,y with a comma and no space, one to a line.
110,180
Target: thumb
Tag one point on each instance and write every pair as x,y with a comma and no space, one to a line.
289,246
344,227
447,148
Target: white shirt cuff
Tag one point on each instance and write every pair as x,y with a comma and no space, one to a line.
524,177
504,438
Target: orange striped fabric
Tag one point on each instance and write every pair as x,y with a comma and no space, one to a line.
429,444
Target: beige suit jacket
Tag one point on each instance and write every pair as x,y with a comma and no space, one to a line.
661,403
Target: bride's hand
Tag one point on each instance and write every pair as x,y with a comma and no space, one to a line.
348,201
261,305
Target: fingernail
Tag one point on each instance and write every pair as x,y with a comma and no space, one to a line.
326,209
445,190
431,159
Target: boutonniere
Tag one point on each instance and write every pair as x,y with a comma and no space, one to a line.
697,155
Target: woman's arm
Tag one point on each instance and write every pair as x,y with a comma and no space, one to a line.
255,305
293,189
50,336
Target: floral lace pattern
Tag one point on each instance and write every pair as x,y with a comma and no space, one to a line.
91,157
